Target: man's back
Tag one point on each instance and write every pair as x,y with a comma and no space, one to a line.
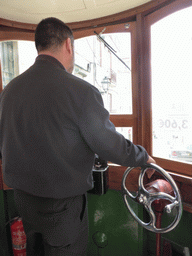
41,142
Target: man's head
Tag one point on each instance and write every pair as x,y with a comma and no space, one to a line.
52,36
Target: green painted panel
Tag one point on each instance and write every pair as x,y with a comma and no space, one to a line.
181,236
112,229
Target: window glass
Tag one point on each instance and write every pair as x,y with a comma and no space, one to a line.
171,52
16,57
106,64
108,70
127,132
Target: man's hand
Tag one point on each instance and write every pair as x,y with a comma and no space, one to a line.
150,172
151,160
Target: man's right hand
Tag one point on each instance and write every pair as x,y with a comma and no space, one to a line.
150,172
151,160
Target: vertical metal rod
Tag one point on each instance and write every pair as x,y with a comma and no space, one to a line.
158,235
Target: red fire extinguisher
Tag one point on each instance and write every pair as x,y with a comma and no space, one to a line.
18,237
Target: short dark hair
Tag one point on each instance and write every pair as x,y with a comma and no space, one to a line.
51,34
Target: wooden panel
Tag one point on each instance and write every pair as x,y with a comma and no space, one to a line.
175,167
15,34
15,24
163,12
120,28
186,191
144,103
139,42
187,207
116,174
123,120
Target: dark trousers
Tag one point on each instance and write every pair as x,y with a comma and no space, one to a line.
54,227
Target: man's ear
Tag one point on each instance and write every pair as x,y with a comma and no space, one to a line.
69,45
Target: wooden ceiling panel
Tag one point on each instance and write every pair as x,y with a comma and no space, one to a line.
32,11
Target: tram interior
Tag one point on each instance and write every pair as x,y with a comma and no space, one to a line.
139,56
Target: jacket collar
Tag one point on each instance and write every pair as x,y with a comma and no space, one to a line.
51,59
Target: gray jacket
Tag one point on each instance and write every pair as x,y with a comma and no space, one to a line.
51,125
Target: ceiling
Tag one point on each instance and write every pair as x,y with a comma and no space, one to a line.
32,11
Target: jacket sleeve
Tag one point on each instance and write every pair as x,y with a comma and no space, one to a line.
101,136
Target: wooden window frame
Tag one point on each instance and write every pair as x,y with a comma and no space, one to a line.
148,20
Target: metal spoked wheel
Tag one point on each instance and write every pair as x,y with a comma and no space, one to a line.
147,198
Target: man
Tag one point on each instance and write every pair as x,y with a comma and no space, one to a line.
52,125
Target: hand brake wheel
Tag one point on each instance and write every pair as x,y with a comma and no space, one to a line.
147,198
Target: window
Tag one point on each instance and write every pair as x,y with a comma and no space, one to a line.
106,63
171,66
126,132
16,57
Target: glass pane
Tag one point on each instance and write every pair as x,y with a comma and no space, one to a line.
16,57
127,132
171,41
104,69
